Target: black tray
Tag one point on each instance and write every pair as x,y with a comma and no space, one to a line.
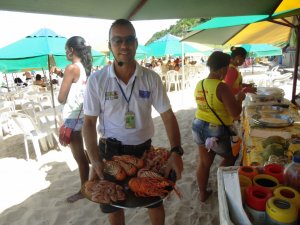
132,201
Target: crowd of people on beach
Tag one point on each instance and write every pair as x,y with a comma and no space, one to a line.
115,102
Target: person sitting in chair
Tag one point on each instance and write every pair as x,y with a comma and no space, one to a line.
19,82
39,81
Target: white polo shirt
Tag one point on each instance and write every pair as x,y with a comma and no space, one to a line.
104,98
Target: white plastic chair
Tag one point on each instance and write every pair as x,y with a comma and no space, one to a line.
172,78
5,108
31,96
281,79
190,73
274,71
41,116
31,132
31,108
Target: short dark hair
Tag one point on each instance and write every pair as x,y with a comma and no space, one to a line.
38,77
121,22
238,51
218,60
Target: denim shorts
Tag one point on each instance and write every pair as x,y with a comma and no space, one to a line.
202,130
72,122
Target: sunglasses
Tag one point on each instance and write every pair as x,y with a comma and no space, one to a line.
118,41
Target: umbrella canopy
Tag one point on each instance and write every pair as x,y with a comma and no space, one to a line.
261,50
142,52
143,9
169,45
33,51
250,29
273,29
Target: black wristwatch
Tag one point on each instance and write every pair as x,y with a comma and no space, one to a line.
178,150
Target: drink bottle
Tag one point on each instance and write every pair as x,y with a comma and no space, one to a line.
292,174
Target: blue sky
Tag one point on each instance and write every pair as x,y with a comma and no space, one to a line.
16,25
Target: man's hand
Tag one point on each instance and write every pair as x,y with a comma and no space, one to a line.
97,171
174,163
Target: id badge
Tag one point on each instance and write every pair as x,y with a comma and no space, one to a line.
129,120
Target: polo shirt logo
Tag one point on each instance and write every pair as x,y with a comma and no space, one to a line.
144,94
111,95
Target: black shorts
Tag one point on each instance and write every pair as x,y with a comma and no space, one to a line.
109,147
106,208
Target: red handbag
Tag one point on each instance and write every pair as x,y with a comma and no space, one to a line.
66,132
65,135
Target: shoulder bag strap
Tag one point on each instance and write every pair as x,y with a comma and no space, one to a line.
78,117
210,107
226,127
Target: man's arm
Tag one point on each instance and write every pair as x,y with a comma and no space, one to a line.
175,161
90,139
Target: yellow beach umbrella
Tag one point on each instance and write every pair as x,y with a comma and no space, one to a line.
253,29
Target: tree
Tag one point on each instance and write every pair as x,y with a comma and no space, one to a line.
179,29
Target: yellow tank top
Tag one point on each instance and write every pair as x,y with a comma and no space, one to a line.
238,82
203,111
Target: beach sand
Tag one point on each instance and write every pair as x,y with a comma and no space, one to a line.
34,192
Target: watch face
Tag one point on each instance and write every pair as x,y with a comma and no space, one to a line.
178,150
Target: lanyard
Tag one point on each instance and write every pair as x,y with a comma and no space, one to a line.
127,100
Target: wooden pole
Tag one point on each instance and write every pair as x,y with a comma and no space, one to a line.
51,87
6,82
295,76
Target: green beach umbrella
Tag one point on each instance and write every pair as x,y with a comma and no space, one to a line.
143,9
142,52
34,51
275,28
169,45
261,50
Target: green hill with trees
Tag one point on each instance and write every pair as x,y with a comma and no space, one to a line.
179,29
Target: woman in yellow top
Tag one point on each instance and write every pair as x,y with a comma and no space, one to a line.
233,77
208,132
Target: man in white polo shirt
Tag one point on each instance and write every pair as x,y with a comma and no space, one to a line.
121,95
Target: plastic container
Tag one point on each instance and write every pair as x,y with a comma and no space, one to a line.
255,203
289,194
276,171
244,183
256,197
280,212
292,174
248,171
266,181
